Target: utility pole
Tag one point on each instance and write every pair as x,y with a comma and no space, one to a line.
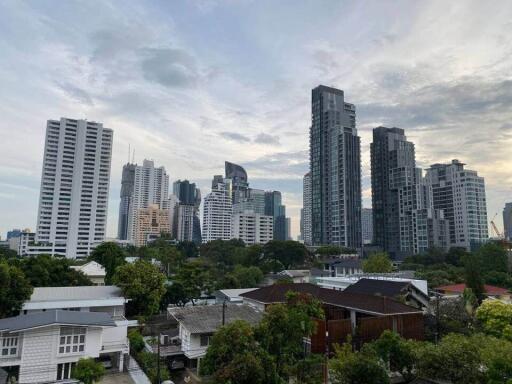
224,312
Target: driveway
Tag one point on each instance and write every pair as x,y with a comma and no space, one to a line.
117,378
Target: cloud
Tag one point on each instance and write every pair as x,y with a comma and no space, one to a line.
76,93
170,67
234,136
264,138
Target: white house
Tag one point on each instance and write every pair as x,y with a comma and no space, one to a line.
198,323
60,325
93,270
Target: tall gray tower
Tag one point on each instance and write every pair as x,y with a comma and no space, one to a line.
335,168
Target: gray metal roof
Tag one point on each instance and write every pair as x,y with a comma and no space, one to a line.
208,318
75,293
41,319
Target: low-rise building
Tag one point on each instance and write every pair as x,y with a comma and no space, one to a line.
253,228
93,270
61,325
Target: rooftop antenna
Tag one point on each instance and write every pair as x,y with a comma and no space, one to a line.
129,151
133,156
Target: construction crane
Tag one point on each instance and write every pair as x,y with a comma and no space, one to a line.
498,234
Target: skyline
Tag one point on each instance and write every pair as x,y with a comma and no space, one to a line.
240,85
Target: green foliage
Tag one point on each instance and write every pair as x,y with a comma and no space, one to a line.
88,371
364,367
234,356
223,253
496,318
136,341
168,255
149,364
496,356
246,277
329,250
473,275
493,257
378,263
111,256
7,253
175,294
396,352
456,359
188,249
290,253
143,283
49,271
15,289
194,277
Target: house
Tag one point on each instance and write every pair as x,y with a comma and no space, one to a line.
85,309
230,295
296,275
456,290
197,324
362,316
336,267
44,346
93,270
402,290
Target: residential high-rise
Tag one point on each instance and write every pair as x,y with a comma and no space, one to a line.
507,221
141,186
239,180
252,228
335,169
150,221
404,219
188,195
217,211
367,225
73,203
306,214
127,186
460,193
275,208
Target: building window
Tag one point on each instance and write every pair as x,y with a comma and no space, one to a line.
205,340
9,346
64,371
72,339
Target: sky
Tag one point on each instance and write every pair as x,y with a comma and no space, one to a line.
191,84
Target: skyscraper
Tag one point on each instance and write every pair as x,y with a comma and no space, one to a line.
367,225
188,195
73,203
275,208
306,213
239,180
507,221
335,169
141,186
404,219
460,193
217,211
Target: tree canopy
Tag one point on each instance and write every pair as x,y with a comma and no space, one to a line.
110,256
88,371
15,289
378,263
496,318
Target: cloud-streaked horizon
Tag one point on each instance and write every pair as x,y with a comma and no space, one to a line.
192,84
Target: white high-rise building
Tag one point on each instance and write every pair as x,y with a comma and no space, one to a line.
150,186
460,193
73,203
253,228
217,211
307,235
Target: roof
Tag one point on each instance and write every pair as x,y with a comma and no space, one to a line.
232,293
378,287
344,262
41,319
295,272
91,268
75,293
208,318
459,288
360,302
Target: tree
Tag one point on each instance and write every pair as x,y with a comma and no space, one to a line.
195,277
148,361
396,352
234,356
111,256
168,256
496,356
143,283
455,359
248,277
49,271
473,275
349,367
88,371
378,263
496,318
493,257
136,341
175,294
15,289
290,253
188,249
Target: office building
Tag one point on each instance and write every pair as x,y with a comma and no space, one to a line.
460,193
404,219
141,186
150,222
306,210
507,221
13,233
188,195
252,228
73,203
275,208
335,169
239,181
367,225
184,222
217,211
